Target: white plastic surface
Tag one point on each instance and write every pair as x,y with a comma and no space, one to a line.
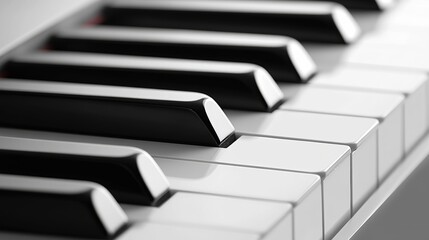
301,190
411,84
216,212
347,102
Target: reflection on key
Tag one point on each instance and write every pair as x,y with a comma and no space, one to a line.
59,207
321,22
283,57
302,190
160,115
129,174
232,85
267,219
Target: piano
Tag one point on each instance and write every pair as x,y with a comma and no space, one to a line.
214,119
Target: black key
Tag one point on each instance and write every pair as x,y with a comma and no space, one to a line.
365,4
130,174
305,21
59,207
351,4
284,58
233,85
146,114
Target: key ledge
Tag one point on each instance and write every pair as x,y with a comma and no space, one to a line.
347,25
301,59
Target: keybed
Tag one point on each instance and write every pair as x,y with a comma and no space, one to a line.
205,119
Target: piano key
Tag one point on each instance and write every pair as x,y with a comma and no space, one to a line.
156,231
160,115
59,207
365,4
151,231
412,38
412,84
303,191
405,15
388,109
331,162
316,21
267,219
284,58
137,178
400,53
400,48
233,85
360,134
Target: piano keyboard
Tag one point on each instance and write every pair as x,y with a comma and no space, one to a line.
211,119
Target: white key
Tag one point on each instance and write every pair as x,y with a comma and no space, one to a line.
407,14
360,134
401,48
156,231
264,218
388,109
332,162
302,190
152,231
412,84
389,55
395,47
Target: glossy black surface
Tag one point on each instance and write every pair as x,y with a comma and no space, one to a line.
92,110
372,5
304,25
231,85
115,168
59,208
359,4
270,52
